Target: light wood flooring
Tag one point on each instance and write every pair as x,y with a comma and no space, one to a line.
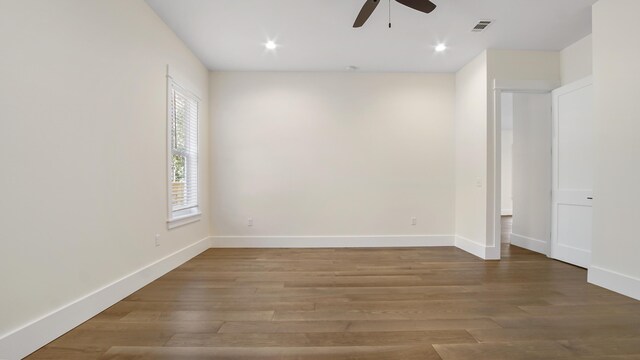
507,227
427,303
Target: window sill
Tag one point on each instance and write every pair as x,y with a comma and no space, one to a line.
183,220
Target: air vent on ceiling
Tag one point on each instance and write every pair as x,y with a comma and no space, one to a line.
481,25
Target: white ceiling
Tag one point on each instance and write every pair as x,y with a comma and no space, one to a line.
316,35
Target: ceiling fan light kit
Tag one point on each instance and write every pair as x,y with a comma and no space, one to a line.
369,6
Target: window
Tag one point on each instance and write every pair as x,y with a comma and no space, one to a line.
183,155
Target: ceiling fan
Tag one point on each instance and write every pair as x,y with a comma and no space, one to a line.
424,6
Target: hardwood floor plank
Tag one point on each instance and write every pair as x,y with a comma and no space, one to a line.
458,306
283,326
556,333
589,300
79,339
321,339
591,320
165,326
69,353
603,347
309,353
421,325
423,313
529,350
125,307
602,309
184,315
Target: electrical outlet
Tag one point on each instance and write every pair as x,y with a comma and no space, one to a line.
414,221
250,222
157,240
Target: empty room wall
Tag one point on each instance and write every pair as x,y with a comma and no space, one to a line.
576,60
616,204
331,155
517,65
471,155
506,182
84,149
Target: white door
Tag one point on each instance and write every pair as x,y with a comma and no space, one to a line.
572,179
531,171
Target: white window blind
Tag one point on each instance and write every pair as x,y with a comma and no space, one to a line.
183,154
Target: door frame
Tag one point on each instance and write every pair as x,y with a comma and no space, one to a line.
494,191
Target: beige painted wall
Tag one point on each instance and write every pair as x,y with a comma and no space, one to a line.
84,149
516,65
471,150
616,206
576,61
326,154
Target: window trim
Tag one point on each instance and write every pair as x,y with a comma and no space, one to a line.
177,218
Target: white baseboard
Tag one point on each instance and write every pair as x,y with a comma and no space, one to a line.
492,252
529,243
615,281
475,248
29,338
470,246
331,241
506,212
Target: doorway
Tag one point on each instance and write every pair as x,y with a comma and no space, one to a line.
526,169
506,203
548,168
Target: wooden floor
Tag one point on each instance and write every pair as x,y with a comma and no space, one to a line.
507,227
428,303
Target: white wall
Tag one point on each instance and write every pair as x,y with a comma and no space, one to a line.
576,61
84,149
531,171
616,206
332,154
515,65
471,155
506,154
507,173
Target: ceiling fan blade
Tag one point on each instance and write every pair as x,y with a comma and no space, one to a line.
425,6
367,10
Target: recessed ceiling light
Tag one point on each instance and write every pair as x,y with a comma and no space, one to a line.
270,45
441,47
